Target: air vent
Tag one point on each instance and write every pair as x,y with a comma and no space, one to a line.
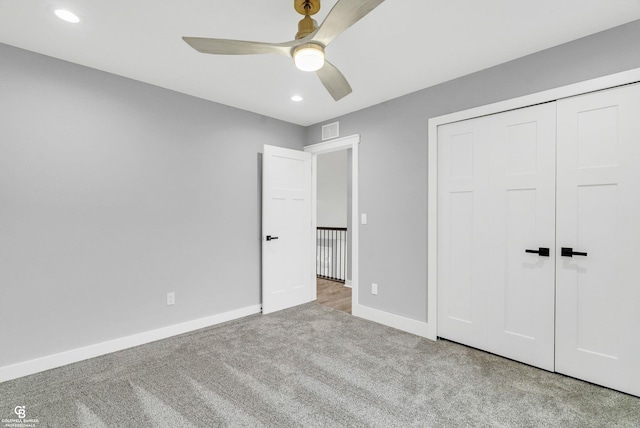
332,130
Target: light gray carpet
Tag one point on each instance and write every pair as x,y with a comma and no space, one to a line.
310,366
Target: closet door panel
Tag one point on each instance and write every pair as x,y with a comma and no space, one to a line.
463,260
496,200
598,201
521,291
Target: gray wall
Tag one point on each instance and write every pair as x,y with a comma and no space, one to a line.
332,189
113,193
393,155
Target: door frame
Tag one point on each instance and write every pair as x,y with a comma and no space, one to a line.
350,142
597,84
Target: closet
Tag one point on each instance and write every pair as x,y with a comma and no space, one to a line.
539,235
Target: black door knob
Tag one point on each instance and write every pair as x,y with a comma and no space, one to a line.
271,238
541,251
568,252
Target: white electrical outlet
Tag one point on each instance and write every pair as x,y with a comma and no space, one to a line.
363,218
171,299
374,288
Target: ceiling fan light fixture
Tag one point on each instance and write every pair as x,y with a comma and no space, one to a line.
309,57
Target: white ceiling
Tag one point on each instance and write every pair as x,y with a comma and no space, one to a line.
401,47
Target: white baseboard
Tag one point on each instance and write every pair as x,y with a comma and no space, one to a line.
419,328
48,362
347,283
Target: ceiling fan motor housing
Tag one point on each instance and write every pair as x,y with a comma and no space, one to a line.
306,26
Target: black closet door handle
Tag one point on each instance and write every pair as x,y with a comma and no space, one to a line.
541,251
568,252
271,238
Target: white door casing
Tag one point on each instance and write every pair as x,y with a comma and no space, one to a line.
351,142
288,265
598,200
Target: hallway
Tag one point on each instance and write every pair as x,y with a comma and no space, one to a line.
334,294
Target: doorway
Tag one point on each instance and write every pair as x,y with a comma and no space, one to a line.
333,195
327,290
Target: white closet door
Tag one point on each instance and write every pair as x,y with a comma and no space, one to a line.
522,290
496,189
463,235
598,201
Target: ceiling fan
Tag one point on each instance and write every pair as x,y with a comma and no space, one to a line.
307,50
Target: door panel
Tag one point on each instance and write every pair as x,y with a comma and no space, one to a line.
287,261
461,275
521,291
597,227
496,199
598,200
462,234
520,228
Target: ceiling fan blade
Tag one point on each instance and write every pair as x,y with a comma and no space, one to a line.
344,14
238,47
334,81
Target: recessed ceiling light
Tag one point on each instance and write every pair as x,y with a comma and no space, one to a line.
296,98
65,15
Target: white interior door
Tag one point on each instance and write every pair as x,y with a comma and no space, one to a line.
598,200
463,235
521,291
288,259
